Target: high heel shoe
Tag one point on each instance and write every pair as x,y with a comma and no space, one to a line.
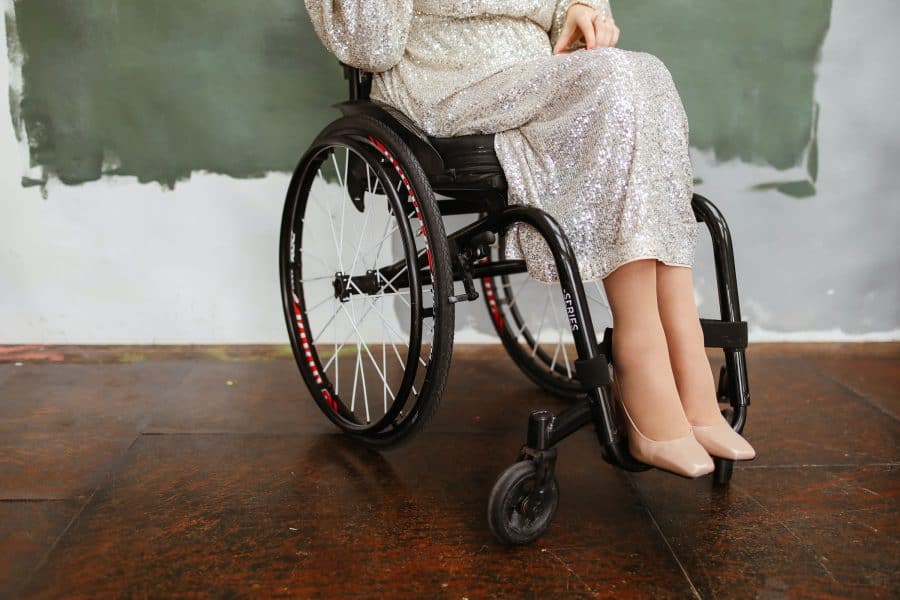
683,456
724,442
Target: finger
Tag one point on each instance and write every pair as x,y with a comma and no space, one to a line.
607,35
602,32
565,38
587,28
598,29
616,32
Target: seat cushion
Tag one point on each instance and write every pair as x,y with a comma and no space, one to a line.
469,160
467,151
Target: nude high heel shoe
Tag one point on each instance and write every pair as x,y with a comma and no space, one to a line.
724,442
683,456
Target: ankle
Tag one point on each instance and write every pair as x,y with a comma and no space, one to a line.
647,390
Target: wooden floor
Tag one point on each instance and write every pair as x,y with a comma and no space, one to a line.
143,472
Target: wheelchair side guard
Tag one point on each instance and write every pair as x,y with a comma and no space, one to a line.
360,102
409,132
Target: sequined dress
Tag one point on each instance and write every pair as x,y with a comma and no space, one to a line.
597,138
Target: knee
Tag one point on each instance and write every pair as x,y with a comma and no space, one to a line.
656,67
609,69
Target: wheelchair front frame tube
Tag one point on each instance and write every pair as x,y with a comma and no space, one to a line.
546,430
729,304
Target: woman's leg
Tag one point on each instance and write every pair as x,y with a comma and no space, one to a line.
641,357
684,337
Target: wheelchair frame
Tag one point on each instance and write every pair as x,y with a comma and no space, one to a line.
472,190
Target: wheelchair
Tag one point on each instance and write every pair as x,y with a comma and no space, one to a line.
370,280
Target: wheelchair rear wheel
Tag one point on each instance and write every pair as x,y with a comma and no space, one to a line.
530,319
365,277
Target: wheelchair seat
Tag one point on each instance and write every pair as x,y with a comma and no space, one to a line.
469,161
456,166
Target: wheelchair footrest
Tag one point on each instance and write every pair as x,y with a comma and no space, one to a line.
594,372
729,335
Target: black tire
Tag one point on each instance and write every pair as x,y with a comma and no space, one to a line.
506,506
380,176
549,365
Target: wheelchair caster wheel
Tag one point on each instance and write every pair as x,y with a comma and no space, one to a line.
519,510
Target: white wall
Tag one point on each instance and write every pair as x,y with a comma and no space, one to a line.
118,262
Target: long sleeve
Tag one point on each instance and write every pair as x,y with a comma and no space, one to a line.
368,34
559,17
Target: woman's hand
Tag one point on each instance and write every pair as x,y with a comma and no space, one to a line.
583,22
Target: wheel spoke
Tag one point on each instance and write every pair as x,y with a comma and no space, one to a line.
565,355
537,337
334,357
350,335
343,214
337,169
400,336
355,374
365,394
313,279
326,299
328,323
334,237
396,291
383,354
320,260
402,364
362,236
387,224
366,347
380,243
519,291
559,343
362,371
371,248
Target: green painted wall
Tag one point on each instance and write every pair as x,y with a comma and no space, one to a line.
167,87
158,89
746,72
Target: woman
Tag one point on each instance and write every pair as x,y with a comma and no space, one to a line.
594,135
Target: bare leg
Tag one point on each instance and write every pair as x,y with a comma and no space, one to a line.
684,336
641,357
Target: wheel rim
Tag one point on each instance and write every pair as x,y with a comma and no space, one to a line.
531,316
525,520
361,330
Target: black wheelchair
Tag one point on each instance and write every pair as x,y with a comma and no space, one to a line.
369,287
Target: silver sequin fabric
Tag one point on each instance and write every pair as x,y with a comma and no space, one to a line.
598,138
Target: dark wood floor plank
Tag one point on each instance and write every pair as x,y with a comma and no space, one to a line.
236,486
67,398
312,515
846,516
36,466
800,416
876,379
27,532
798,532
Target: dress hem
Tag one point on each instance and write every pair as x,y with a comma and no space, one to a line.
670,263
